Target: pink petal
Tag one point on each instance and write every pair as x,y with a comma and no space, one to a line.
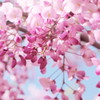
73,41
80,74
45,82
95,61
98,85
23,60
18,38
97,35
64,35
31,39
53,87
98,70
64,97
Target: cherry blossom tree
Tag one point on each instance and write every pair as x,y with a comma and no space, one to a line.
34,32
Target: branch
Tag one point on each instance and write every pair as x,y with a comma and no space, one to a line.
83,37
86,39
12,25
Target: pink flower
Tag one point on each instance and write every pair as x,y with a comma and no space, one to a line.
31,39
49,98
74,6
64,35
80,74
14,15
49,13
59,6
26,5
64,97
54,55
73,41
43,62
97,97
33,59
95,61
34,22
48,84
6,7
87,55
18,38
78,93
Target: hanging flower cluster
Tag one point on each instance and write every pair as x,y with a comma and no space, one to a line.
32,31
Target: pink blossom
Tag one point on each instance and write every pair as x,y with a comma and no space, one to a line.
6,7
54,55
64,35
18,38
26,5
36,21
43,62
73,5
34,32
48,84
49,13
80,74
87,55
78,93
31,39
64,97
14,15
95,61
97,97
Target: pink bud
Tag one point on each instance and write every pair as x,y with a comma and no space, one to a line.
23,60
29,56
34,51
80,74
33,59
27,50
64,35
98,85
18,39
31,39
64,97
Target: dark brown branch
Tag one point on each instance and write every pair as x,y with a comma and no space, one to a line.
86,39
12,25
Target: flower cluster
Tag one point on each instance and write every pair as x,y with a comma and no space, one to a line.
32,31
